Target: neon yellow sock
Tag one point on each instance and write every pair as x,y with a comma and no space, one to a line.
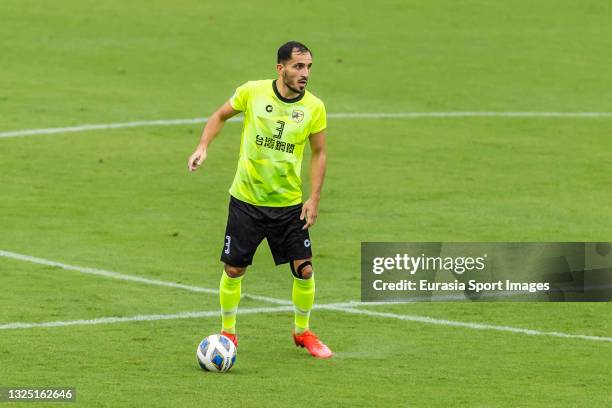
229,298
303,298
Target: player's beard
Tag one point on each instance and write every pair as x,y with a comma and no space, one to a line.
297,91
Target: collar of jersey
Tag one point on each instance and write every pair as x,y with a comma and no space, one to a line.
282,98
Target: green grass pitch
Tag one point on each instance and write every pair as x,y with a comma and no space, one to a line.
121,200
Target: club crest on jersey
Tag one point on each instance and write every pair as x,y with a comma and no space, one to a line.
297,115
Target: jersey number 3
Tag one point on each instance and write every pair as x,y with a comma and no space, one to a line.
279,129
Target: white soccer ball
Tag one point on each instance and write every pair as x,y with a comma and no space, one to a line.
216,353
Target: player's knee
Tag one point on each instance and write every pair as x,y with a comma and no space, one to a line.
302,269
307,273
234,271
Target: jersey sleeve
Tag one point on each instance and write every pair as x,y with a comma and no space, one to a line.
241,97
319,120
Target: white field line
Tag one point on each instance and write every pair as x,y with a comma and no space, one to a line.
153,317
467,325
338,307
141,318
357,115
83,128
132,278
346,307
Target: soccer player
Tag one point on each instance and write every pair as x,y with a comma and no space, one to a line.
280,117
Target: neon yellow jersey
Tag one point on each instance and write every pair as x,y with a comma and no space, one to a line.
274,134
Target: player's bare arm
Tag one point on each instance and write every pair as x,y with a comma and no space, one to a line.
211,130
318,162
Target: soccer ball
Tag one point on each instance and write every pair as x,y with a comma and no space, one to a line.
216,353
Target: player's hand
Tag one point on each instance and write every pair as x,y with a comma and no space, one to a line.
310,212
196,159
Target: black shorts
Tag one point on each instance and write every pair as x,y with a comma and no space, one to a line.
248,225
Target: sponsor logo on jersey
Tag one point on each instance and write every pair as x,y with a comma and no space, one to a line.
272,143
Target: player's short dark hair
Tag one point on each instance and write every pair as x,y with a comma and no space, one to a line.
285,51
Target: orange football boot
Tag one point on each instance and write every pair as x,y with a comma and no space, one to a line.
311,342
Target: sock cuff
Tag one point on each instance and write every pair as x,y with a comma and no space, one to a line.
229,279
304,283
